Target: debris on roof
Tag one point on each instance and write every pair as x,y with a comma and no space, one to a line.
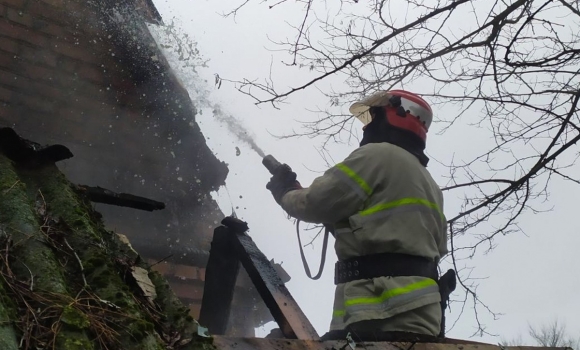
66,282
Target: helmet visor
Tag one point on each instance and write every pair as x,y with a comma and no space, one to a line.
361,108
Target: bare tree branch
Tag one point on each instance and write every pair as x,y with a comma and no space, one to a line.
504,75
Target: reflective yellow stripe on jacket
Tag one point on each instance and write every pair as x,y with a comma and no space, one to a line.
379,199
397,296
353,180
401,206
360,186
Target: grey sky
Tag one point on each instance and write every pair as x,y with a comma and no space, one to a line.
531,278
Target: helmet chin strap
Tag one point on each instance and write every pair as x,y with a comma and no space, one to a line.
379,130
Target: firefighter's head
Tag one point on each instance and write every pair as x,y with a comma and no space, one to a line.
396,116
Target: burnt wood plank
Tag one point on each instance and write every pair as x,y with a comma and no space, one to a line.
285,310
220,279
105,196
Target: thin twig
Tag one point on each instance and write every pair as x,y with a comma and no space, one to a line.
162,260
85,284
11,187
315,236
31,288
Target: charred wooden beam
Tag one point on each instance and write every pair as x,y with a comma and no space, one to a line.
102,195
233,245
285,310
220,279
30,154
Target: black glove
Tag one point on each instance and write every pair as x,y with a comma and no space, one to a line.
283,182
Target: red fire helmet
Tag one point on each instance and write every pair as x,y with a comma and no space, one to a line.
403,110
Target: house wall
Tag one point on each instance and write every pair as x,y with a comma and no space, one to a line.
87,74
71,74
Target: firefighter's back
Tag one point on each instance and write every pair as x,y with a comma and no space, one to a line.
403,215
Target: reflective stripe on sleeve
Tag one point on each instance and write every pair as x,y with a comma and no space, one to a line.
353,180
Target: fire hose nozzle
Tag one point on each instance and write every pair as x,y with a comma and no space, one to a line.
271,164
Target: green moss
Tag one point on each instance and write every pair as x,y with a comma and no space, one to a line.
122,303
202,346
8,307
74,318
176,315
101,278
98,250
169,302
64,203
121,300
20,221
93,263
15,212
139,328
76,344
7,315
20,204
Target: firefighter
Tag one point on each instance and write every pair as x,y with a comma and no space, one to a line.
387,217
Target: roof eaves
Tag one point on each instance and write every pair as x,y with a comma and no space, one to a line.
151,14
145,8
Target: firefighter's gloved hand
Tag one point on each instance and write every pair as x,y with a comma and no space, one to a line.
283,182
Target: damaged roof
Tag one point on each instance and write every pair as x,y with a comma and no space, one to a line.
66,282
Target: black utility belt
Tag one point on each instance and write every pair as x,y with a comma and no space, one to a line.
383,265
